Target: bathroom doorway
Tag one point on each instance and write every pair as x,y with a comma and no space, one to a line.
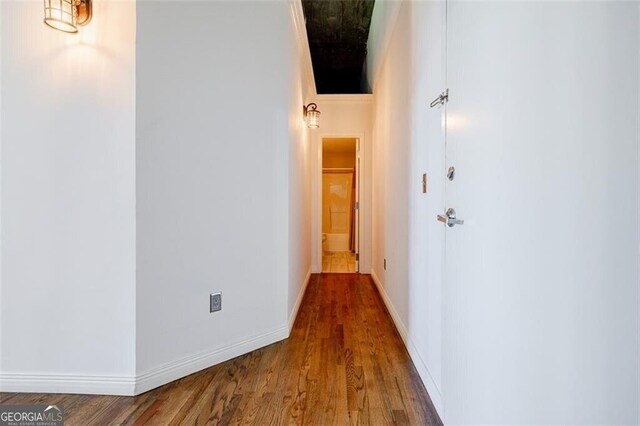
340,205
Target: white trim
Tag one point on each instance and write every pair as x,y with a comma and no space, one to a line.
416,357
128,386
189,365
60,383
135,385
296,307
351,98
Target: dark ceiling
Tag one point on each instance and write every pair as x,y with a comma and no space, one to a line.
338,31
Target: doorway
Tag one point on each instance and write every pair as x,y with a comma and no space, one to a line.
340,205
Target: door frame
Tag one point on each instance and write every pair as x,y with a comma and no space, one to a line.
317,231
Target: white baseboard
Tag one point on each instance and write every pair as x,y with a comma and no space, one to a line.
423,371
135,385
179,369
296,307
59,383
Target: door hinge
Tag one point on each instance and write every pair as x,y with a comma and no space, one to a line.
440,100
357,257
357,205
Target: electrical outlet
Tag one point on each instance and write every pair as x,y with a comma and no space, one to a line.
215,302
385,264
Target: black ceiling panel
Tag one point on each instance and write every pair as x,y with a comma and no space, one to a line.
338,31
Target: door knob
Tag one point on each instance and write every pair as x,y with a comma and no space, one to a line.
450,218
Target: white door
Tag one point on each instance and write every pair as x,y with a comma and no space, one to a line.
541,288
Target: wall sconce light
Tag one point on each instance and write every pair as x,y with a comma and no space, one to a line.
312,116
67,15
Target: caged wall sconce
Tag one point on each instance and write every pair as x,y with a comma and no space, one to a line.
312,116
67,15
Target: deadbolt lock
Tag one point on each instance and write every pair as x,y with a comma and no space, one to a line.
451,174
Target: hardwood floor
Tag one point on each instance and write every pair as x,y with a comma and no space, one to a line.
338,261
343,364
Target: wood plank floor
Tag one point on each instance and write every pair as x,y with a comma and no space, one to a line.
338,261
343,364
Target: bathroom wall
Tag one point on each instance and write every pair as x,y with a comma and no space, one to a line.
338,193
339,160
338,152
337,205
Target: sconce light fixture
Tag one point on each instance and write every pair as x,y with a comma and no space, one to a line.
67,15
312,116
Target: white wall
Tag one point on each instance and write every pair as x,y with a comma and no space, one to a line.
343,116
68,201
383,19
408,141
211,137
300,149
221,182
391,160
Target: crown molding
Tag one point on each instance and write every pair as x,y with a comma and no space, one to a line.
347,98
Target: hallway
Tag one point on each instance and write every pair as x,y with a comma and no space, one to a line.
343,364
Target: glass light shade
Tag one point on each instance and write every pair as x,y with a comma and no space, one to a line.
313,119
312,115
61,15
67,15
